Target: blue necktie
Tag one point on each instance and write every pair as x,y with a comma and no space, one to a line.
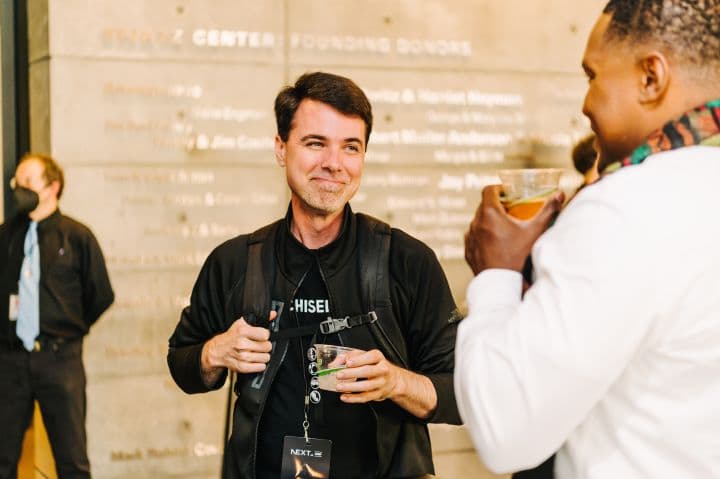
28,321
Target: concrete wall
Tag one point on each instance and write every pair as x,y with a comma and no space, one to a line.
161,113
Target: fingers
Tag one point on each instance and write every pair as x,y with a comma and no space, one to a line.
363,358
250,357
491,197
243,361
362,372
368,377
247,361
360,386
256,334
246,344
490,202
243,348
242,328
338,361
361,398
490,212
356,392
490,208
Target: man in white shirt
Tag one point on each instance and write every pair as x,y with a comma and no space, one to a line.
613,354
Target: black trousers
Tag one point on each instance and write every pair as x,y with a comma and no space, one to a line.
55,377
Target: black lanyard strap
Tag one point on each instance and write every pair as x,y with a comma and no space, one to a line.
291,333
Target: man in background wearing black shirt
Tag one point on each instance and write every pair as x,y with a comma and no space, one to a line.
54,286
316,259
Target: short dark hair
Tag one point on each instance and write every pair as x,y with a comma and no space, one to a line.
339,92
584,154
688,29
52,169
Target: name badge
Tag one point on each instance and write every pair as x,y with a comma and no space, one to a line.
305,459
13,307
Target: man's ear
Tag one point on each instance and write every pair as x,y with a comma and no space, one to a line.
655,77
54,188
280,150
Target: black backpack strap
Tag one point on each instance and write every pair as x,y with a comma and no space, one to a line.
375,255
375,286
335,325
259,276
329,326
256,302
374,238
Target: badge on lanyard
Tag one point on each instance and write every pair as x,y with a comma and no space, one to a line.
305,459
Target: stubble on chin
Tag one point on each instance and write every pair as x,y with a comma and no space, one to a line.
324,203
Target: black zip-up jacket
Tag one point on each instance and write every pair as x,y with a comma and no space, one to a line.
422,308
74,285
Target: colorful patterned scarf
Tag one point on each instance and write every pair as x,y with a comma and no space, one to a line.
700,126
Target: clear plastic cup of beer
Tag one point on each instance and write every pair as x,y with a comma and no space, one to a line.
525,190
330,360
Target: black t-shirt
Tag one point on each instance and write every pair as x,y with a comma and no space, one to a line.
350,427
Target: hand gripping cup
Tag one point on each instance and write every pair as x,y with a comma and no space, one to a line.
330,360
526,190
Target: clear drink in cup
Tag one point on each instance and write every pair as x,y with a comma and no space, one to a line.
526,190
330,360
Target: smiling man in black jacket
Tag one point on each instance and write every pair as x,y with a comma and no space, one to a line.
323,274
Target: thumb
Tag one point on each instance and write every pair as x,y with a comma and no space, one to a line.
239,323
547,213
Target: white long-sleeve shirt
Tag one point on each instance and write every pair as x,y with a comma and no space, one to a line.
613,355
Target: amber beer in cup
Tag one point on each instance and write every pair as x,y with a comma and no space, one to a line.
526,190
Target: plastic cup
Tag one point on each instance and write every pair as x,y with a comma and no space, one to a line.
526,190
328,363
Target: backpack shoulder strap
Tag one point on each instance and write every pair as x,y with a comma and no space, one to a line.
374,251
256,298
259,275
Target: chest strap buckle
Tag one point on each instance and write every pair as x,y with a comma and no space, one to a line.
334,325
